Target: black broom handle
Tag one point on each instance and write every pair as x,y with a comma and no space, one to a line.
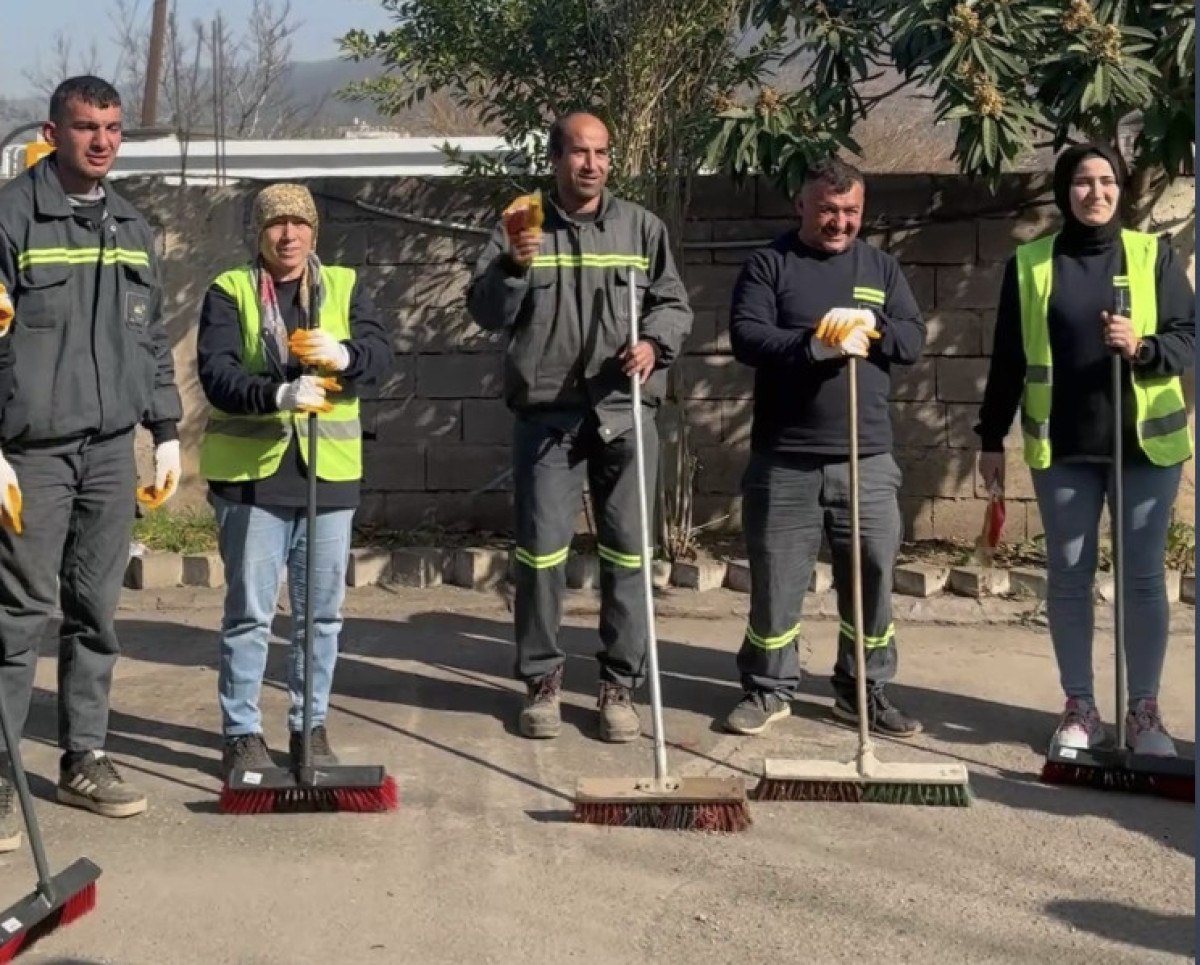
310,542
1118,525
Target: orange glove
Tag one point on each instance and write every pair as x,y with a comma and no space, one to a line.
319,349
523,214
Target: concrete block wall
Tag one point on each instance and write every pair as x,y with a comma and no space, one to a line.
437,450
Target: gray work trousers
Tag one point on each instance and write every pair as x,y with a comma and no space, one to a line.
78,518
788,501
550,466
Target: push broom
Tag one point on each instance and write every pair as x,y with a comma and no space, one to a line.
306,788
1118,768
663,801
866,778
58,899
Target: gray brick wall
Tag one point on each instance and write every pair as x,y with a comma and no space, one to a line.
438,431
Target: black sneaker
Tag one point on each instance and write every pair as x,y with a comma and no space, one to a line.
883,717
756,711
10,821
322,753
95,783
245,752
541,717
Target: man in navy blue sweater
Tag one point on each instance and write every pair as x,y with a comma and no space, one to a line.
796,487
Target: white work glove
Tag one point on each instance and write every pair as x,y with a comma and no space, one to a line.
167,471
857,342
319,349
10,497
306,394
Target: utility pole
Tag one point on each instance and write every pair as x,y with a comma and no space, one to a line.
158,30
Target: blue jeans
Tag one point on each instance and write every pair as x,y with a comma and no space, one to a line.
256,543
1070,497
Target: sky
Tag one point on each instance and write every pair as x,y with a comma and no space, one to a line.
30,27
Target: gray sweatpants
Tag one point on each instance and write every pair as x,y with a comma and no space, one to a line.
788,501
550,465
78,517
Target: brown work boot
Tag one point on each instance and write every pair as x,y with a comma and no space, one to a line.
10,820
540,717
619,722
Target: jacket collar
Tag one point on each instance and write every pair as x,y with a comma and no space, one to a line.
604,211
51,201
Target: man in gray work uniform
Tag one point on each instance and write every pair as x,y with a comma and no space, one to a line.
86,360
561,297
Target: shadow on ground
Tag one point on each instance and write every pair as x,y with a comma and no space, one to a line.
1173,934
472,658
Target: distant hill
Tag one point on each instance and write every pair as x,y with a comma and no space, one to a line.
901,137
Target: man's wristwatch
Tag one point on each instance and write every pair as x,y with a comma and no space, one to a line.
1143,352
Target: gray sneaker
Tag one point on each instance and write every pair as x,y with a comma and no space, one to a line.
95,784
541,717
619,722
322,752
10,820
245,752
755,712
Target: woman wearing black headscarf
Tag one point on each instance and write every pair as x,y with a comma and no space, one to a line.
1067,302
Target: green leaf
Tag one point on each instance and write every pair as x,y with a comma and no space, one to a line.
988,134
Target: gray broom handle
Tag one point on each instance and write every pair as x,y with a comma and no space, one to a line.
639,458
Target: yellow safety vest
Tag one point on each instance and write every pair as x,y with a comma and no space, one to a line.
1162,427
244,448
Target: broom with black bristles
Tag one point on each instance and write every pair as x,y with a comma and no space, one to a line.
865,778
1118,768
58,899
306,788
662,801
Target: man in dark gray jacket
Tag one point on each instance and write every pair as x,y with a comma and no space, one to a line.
561,296
86,360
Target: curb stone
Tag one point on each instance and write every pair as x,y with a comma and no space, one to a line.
917,585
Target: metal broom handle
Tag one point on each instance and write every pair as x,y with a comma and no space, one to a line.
639,458
860,657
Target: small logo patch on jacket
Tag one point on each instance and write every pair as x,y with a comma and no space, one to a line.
137,306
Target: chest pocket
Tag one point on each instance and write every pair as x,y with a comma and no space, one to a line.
624,278
137,289
43,297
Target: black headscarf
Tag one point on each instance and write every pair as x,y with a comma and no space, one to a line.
1075,233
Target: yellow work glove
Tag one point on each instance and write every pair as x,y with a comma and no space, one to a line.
840,322
6,311
525,213
319,349
10,497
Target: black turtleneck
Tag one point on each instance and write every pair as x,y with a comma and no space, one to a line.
1081,400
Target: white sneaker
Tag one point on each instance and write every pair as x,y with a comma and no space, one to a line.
1080,726
1144,730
